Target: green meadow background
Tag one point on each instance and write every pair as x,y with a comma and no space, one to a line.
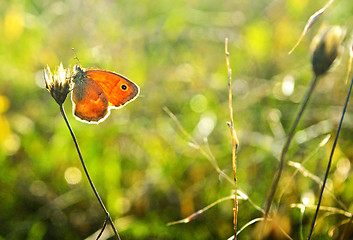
143,166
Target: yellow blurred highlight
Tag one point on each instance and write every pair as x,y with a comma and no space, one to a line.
4,104
73,175
11,143
297,6
13,24
285,35
6,141
258,38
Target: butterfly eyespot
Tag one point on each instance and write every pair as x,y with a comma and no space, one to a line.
123,87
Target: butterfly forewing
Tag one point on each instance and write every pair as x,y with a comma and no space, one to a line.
118,89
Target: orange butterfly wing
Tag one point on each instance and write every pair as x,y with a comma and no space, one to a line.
118,89
96,91
90,104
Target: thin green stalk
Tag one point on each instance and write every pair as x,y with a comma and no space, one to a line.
302,210
330,160
286,146
88,176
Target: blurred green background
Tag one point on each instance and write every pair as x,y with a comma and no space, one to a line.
141,163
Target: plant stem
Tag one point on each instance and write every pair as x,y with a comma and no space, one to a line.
88,176
104,225
286,146
235,142
330,160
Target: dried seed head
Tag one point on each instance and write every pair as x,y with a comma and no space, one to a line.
325,46
59,84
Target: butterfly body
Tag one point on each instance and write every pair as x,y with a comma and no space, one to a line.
96,91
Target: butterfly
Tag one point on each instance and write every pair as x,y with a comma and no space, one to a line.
96,91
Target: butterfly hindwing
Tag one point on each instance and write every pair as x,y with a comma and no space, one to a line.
90,103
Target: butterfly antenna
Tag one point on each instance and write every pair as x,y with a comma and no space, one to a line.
78,60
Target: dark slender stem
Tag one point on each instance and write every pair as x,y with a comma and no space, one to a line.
286,146
87,174
104,225
330,160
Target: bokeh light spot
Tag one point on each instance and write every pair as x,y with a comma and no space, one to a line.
343,167
308,198
258,38
13,24
4,104
198,103
11,144
38,188
288,85
206,124
73,175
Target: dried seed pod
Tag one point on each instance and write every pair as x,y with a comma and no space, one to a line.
59,84
325,46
